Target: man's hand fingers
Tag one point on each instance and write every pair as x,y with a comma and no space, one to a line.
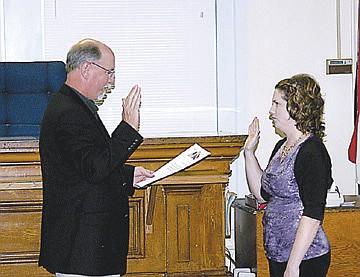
134,97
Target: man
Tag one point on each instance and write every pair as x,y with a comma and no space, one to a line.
86,184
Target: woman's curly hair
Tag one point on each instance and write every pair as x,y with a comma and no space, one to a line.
304,103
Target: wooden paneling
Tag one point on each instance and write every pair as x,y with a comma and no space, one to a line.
177,227
342,227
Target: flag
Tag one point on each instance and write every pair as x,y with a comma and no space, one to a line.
352,151
353,147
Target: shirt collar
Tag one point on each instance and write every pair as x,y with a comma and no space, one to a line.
88,102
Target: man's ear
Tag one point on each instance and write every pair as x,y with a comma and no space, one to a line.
85,70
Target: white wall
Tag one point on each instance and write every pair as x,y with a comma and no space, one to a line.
19,43
275,40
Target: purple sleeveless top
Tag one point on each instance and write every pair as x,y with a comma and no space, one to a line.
284,210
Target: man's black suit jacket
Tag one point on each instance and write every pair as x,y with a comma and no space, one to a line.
86,184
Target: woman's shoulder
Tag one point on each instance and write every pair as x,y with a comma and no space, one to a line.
314,143
313,160
315,148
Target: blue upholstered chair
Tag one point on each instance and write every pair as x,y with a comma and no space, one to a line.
25,91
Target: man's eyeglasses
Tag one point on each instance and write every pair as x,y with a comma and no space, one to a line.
108,71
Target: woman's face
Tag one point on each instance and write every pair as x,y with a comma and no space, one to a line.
279,114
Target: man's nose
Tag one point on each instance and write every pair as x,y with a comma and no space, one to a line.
112,78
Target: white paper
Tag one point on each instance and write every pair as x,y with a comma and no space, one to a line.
190,156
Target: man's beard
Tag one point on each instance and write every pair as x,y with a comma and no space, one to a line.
107,89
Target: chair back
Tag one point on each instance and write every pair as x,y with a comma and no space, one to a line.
25,91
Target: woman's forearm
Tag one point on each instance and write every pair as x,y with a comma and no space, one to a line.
253,174
305,235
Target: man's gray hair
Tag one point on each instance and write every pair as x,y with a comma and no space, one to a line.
86,50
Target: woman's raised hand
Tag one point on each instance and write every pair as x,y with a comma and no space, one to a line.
253,136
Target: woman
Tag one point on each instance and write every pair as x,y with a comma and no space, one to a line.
295,181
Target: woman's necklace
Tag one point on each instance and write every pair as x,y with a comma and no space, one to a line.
286,150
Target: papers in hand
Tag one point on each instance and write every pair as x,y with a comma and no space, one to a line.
190,156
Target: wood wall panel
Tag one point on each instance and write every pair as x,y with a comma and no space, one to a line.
342,228
183,228
183,232
136,234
